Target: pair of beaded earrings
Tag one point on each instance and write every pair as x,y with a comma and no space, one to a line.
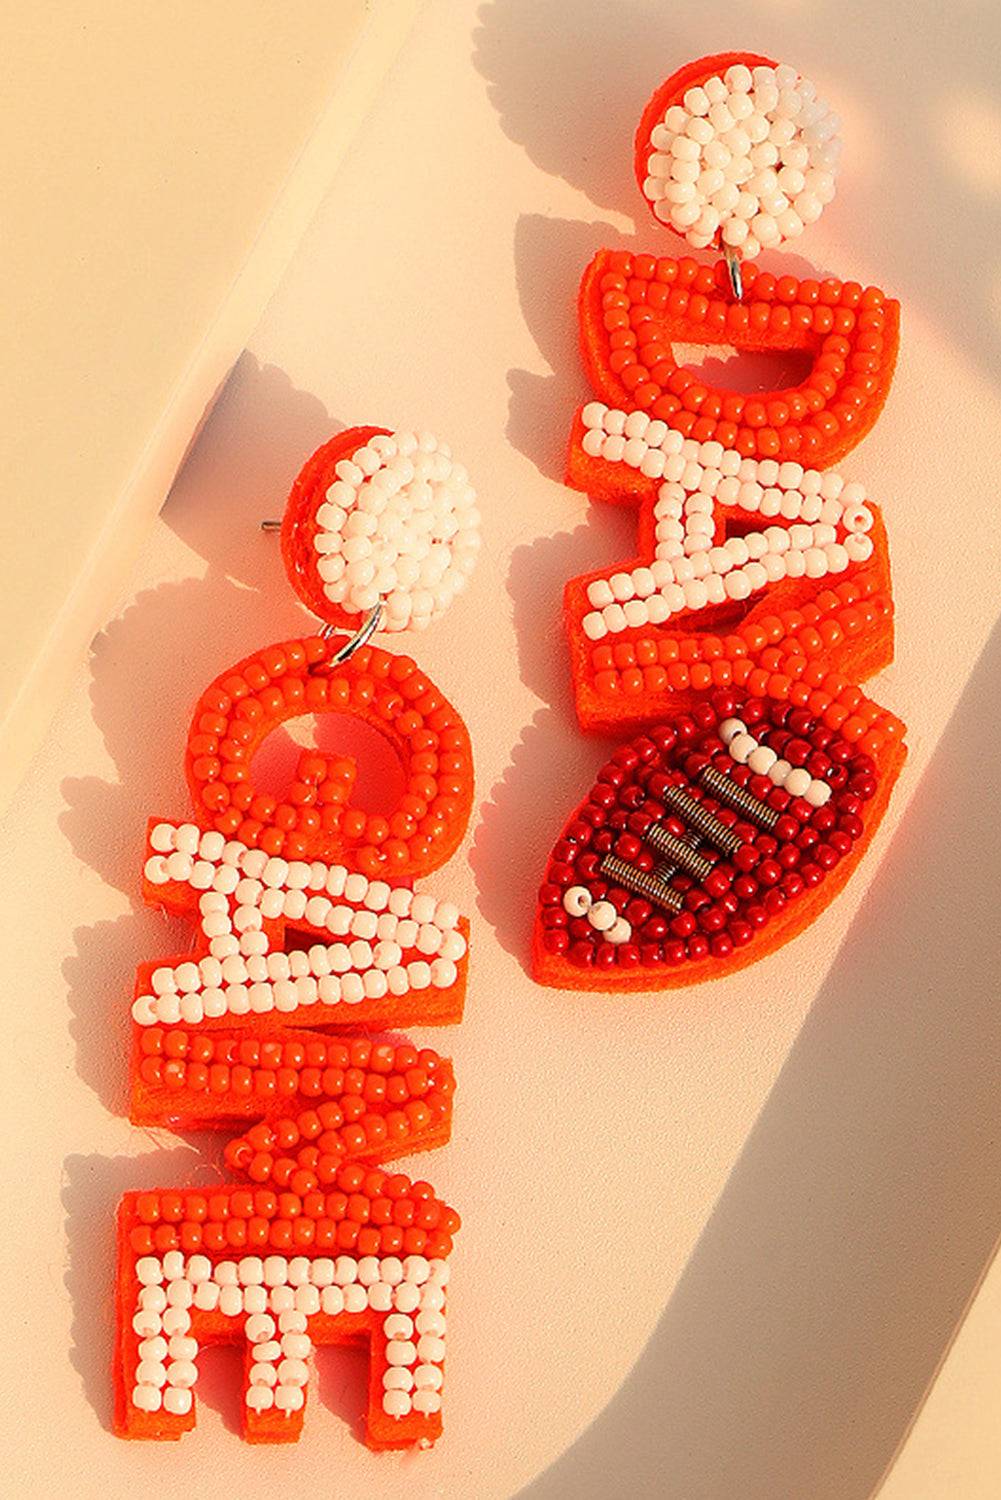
760,593
306,920
733,643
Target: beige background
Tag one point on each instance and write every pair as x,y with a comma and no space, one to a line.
716,1244
160,166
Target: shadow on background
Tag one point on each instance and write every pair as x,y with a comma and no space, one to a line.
823,1293
569,83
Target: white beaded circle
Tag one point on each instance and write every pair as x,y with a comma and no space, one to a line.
747,158
399,524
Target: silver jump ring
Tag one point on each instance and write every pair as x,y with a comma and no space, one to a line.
363,634
732,258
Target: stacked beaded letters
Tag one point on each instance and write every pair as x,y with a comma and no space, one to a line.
307,921
760,594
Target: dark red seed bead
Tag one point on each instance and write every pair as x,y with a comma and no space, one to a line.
717,883
826,856
594,816
798,752
604,956
759,786
556,941
628,847
811,874
697,946
792,884
651,953
554,916
769,872
721,945
683,925
851,826
775,902
581,954
712,919
612,774
656,928
753,711
637,911
628,956
767,845
788,856
817,764
674,953
744,888
863,786
756,914
704,715
550,895
746,857
786,828
840,841
741,932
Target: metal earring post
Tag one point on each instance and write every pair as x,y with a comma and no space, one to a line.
732,258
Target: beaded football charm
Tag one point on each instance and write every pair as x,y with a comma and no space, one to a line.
307,921
733,642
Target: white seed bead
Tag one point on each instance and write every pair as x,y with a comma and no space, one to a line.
602,915
396,1403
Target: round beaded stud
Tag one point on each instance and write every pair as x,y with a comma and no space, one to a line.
382,522
737,151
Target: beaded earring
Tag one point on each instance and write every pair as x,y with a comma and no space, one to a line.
760,594
307,921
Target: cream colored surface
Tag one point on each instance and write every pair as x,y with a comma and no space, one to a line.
716,1243
160,164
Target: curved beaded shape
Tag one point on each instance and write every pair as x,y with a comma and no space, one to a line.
739,150
759,595
786,859
635,308
306,920
315,819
